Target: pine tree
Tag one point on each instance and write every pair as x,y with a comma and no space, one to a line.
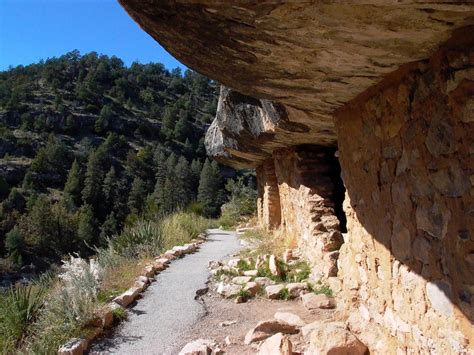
73,186
210,189
28,181
182,187
86,229
196,167
110,188
91,193
137,196
182,129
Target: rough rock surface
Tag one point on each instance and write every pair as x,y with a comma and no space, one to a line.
392,82
312,301
277,344
332,50
267,328
332,338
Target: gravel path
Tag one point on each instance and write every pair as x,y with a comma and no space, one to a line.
160,321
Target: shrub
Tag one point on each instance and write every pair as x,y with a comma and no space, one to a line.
18,308
284,294
321,289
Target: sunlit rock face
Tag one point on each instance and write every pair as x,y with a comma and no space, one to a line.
391,85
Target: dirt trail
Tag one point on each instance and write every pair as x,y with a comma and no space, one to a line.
161,321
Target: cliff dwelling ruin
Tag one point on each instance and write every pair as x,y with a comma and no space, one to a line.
386,90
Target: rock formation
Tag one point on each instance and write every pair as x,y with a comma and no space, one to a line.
390,86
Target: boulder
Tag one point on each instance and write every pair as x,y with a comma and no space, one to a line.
76,346
228,290
290,318
107,317
273,266
313,301
267,328
277,344
334,338
273,291
199,347
127,297
159,267
296,289
252,288
241,280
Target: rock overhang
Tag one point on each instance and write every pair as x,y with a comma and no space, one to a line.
293,64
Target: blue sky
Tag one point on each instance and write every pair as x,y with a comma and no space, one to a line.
31,30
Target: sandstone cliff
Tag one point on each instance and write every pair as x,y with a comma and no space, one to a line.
391,85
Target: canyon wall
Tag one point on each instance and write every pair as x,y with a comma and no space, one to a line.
388,85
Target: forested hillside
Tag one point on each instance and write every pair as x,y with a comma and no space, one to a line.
88,145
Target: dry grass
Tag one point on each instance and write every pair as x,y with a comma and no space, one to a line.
270,242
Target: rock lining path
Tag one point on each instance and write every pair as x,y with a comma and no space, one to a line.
159,322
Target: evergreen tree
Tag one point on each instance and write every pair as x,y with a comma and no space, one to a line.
196,167
28,181
182,187
210,189
4,188
137,196
91,193
86,229
15,245
182,129
73,186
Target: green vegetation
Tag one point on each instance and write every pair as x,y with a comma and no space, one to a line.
103,147
284,294
321,289
241,204
77,295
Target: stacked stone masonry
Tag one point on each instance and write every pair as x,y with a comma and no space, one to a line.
391,85
408,260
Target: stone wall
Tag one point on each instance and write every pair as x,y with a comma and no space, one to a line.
298,192
407,154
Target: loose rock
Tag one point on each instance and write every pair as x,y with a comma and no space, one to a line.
290,318
264,281
241,280
228,290
267,328
252,288
273,291
127,297
277,344
199,347
333,338
296,289
251,273
312,301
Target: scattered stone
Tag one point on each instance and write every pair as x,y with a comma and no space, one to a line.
313,301
241,280
264,281
267,328
228,290
214,264
290,318
227,323
277,344
251,273
273,266
296,289
273,291
199,347
127,297
233,262
76,346
252,288
334,338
